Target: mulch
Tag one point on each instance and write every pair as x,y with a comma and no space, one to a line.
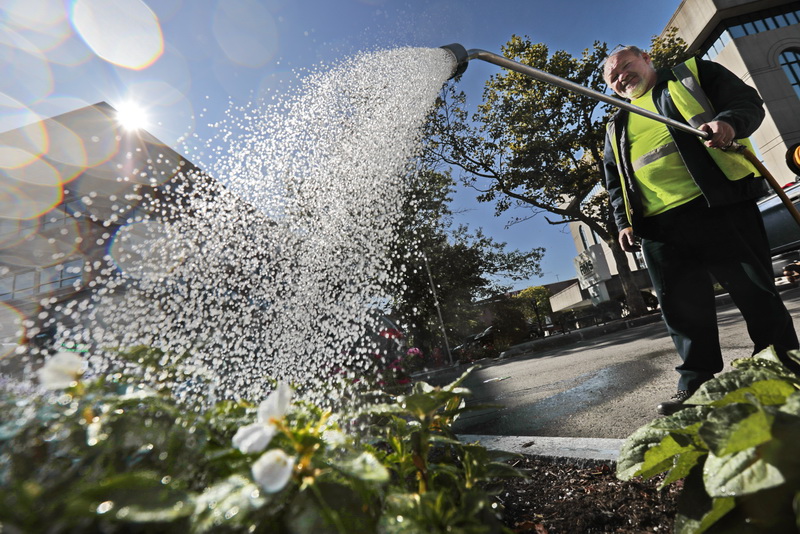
561,497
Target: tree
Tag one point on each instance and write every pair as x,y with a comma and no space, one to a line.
535,305
509,323
464,266
669,50
538,147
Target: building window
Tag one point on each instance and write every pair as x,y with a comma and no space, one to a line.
751,24
59,276
41,281
790,61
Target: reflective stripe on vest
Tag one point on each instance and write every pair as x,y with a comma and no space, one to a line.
694,106
654,155
693,103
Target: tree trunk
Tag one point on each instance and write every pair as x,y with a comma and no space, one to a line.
633,294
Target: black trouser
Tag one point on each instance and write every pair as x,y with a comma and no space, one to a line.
683,247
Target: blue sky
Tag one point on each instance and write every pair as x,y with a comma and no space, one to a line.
184,60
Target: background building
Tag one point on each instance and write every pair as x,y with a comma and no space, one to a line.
71,183
759,40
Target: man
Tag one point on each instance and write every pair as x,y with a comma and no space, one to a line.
692,205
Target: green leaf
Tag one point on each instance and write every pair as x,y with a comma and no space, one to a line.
775,368
688,525
741,473
659,458
364,467
138,497
767,354
445,440
227,502
792,405
683,465
685,421
681,426
796,508
766,392
633,451
460,380
422,388
716,390
736,427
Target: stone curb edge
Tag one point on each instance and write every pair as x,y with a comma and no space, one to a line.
602,450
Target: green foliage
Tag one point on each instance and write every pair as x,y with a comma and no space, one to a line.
508,320
735,449
114,456
464,265
535,305
669,51
441,483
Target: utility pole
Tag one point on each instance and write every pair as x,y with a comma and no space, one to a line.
438,309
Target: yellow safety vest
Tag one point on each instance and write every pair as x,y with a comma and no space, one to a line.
694,106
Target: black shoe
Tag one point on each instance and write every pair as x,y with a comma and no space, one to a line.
676,403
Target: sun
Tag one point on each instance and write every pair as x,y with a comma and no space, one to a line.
131,116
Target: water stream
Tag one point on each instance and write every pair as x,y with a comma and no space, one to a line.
273,261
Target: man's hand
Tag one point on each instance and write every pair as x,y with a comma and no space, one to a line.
722,134
627,241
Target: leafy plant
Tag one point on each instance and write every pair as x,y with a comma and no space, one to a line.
440,483
735,450
112,455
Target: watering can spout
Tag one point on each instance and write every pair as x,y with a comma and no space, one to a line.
461,57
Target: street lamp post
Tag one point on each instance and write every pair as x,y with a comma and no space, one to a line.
438,309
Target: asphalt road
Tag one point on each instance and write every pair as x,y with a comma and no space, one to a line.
600,388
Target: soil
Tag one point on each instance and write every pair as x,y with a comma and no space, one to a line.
566,498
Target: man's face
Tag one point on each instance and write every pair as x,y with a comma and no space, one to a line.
628,74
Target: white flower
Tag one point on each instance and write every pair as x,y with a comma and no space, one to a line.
61,370
256,436
273,470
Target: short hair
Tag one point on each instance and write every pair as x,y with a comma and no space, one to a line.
619,49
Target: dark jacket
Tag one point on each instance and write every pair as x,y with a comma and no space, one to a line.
737,103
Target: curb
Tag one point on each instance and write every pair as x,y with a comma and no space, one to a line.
578,450
581,334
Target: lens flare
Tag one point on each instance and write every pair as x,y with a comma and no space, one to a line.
31,190
124,32
246,31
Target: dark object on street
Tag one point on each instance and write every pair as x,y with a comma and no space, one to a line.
475,342
792,271
676,403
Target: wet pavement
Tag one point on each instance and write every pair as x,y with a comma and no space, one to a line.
604,386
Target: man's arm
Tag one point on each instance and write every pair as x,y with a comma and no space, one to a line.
614,187
735,102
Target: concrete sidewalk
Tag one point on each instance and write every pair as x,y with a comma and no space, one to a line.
577,450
